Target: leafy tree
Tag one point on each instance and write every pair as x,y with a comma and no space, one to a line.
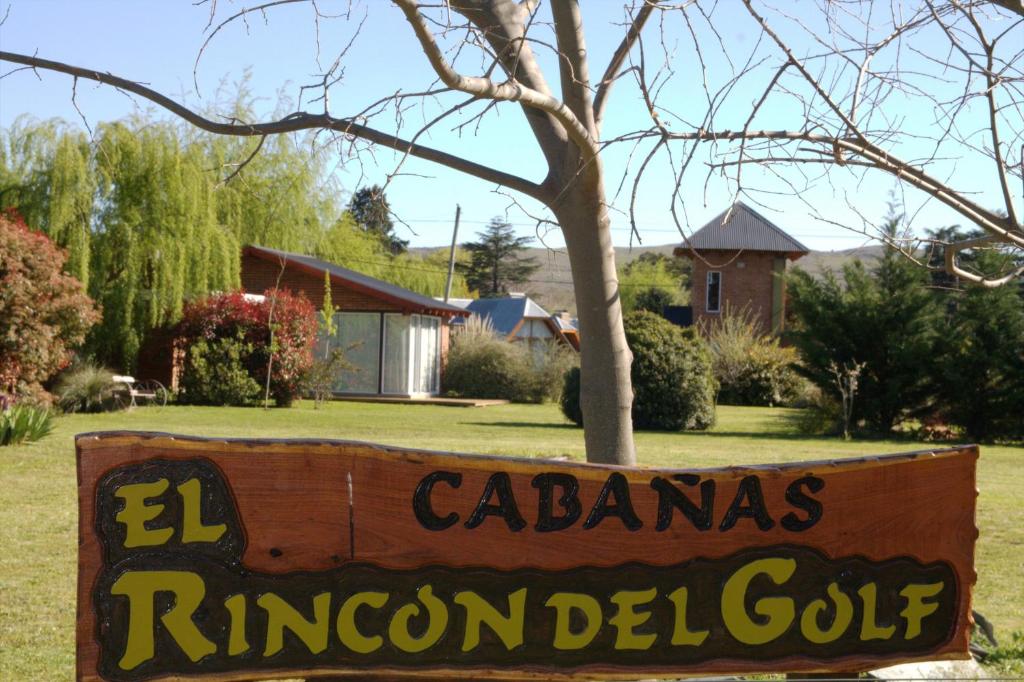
496,263
653,300
371,211
44,313
883,319
650,282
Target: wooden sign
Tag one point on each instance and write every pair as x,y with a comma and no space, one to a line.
240,560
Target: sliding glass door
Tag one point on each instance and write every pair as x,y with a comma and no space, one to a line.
387,352
412,354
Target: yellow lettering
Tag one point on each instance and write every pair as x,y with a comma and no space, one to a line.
779,611
140,587
681,634
136,512
281,615
348,632
844,614
565,603
917,608
437,621
479,611
237,643
192,528
869,628
626,619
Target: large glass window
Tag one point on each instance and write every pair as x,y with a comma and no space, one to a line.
714,299
358,337
397,329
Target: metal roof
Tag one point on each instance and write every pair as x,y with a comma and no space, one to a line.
746,230
506,312
371,286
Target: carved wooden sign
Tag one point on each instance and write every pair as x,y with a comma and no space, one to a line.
239,560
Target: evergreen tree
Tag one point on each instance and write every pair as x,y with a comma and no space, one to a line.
496,262
885,319
371,211
980,362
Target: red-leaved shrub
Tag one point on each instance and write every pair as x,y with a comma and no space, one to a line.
44,313
246,324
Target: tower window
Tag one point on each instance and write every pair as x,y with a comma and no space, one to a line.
714,294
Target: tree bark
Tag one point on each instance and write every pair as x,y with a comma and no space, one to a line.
606,394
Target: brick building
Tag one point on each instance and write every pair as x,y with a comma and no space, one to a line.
738,263
396,339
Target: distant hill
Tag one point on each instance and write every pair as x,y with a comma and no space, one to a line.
551,285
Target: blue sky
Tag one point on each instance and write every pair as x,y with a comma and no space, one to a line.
157,42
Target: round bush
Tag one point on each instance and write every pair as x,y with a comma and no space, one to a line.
488,367
673,386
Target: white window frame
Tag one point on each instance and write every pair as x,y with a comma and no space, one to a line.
707,292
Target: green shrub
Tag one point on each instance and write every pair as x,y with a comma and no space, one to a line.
24,423
217,374
281,327
481,365
489,367
570,400
751,368
673,387
86,388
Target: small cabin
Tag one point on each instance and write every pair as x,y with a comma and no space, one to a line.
396,340
739,261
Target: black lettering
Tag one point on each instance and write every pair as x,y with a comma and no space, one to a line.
798,499
750,488
569,501
421,501
670,497
506,507
618,486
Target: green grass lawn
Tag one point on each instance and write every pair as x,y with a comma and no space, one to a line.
38,508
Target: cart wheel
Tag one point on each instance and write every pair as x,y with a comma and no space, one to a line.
154,391
121,397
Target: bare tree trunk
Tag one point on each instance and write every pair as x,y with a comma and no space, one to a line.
606,394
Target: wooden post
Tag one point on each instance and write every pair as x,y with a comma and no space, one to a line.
451,255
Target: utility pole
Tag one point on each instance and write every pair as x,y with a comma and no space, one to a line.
451,255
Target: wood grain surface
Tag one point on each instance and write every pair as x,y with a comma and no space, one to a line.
322,506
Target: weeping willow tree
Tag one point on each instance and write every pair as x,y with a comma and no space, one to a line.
153,214
45,172
157,240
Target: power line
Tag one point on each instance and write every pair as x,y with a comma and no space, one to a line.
438,271
665,230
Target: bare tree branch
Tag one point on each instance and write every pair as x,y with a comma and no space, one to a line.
294,122
611,73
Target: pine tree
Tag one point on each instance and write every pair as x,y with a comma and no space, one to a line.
885,319
496,262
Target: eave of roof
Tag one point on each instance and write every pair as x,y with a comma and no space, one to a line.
375,288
